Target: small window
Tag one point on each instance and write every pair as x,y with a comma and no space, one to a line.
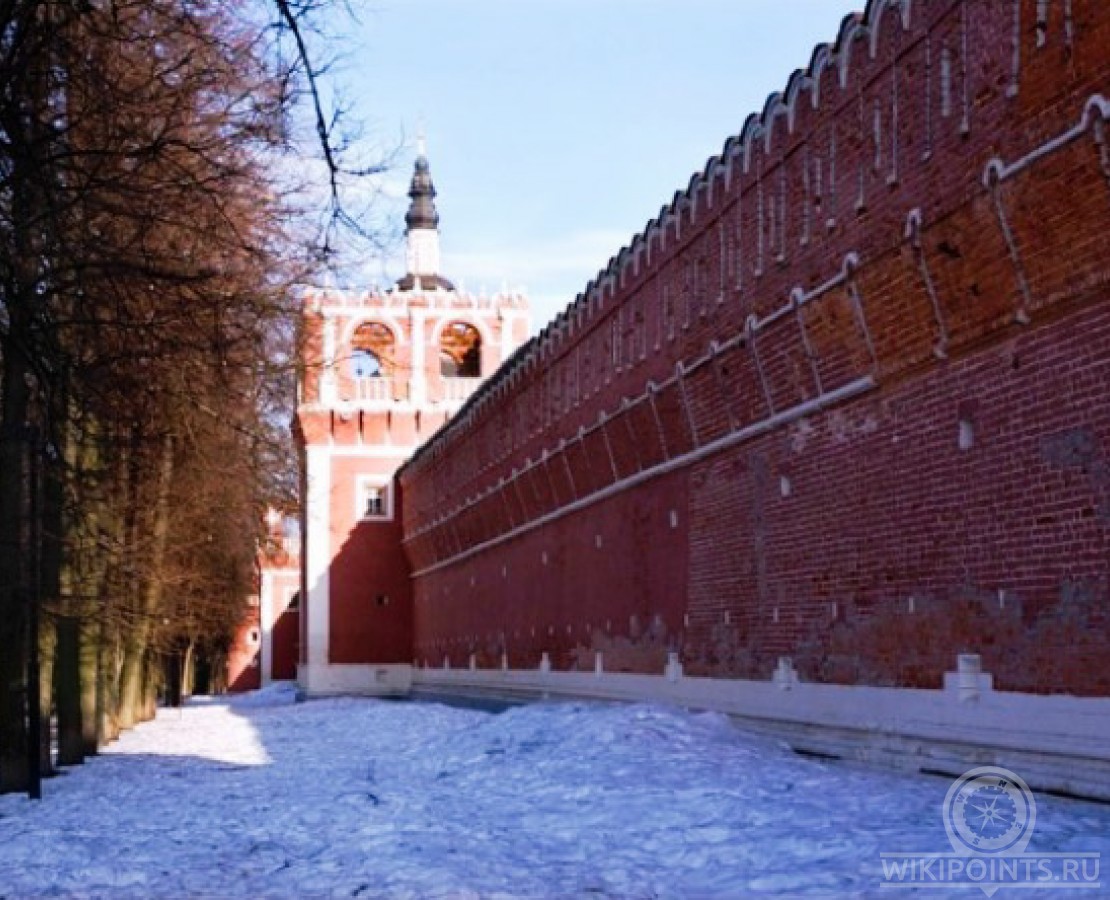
375,502
372,498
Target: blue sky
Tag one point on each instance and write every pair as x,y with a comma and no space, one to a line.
557,128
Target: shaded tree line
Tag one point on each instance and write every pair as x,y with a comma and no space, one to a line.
149,243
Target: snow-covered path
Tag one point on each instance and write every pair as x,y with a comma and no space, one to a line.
357,798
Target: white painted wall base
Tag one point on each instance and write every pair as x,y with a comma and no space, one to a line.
392,680
1055,743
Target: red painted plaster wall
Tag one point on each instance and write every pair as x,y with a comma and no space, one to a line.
244,669
370,590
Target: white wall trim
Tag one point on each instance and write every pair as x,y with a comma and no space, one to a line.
386,680
265,617
1054,742
318,556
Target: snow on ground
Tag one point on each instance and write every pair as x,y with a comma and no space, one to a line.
258,797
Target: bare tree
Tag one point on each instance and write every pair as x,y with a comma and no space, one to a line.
146,328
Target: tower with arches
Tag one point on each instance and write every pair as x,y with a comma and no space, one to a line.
381,372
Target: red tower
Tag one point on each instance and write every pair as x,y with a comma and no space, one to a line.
382,372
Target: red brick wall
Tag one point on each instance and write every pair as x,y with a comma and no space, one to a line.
908,246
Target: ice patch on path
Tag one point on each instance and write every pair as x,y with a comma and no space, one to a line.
257,797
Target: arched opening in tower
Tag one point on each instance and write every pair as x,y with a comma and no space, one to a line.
372,351
460,351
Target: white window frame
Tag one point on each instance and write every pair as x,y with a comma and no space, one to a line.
363,485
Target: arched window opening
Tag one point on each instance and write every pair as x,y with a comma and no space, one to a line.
365,364
372,351
460,351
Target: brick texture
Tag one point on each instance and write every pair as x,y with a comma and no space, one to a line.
844,399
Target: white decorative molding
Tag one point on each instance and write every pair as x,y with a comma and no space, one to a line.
383,680
1057,742
318,557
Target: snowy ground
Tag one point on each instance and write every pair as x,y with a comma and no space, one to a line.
355,798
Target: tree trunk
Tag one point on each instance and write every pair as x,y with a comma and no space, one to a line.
88,664
138,639
187,671
67,692
152,683
13,620
108,674
48,639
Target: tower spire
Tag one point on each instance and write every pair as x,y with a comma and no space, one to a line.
422,229
422,208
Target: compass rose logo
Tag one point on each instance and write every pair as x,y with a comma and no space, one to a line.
989,810
989,814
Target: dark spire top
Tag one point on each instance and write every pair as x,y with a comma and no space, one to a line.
422,211
422,234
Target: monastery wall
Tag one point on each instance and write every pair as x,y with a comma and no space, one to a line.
843,400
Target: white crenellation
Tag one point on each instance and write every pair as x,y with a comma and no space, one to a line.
821,60
751,132
845,44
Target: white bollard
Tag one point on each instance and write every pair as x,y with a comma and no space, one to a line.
969,668
785,675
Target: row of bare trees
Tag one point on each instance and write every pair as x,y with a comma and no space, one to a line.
148,245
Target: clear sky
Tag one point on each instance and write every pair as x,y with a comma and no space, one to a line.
557,128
